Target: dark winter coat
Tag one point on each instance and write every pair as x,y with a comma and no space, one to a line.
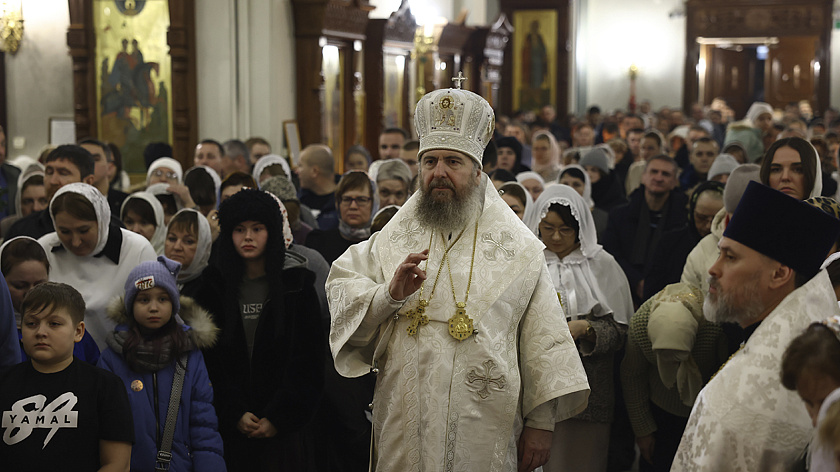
621,232
283,379
197,444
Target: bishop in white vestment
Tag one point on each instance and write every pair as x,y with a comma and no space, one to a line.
490,353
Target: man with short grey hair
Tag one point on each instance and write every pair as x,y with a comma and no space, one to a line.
235,158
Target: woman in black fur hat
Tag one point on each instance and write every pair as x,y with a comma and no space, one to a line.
267,368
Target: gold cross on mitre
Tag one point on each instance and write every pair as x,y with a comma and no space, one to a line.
459,79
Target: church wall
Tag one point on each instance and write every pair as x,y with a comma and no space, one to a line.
39,78
245,63
639,33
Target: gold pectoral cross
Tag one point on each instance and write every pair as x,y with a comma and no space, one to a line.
418,317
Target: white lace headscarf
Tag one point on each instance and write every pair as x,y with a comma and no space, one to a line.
579,276
100,206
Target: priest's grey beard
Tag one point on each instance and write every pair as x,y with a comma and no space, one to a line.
721,307
452,213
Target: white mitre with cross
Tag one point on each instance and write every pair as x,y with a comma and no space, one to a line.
454,119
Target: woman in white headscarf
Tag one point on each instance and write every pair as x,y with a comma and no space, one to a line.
142,213
792,166
89,253
517,197
754,132
576,177
188,241
533,183
267,161
164,170
597,303
545,154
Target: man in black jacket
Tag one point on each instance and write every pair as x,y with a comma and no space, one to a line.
634,230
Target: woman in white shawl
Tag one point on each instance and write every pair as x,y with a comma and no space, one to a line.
596,299
143,213
545,154
91,254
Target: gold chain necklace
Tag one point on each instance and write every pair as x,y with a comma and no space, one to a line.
461,325
417,315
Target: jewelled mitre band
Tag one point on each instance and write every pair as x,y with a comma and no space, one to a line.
454,119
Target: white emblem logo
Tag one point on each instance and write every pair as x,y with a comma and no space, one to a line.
31,413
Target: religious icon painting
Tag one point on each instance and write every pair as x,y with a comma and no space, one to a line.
534,58
133,76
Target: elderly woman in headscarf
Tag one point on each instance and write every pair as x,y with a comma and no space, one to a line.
792,166
754,132
90,253
164,170
357,201
545,156
672,351
597,303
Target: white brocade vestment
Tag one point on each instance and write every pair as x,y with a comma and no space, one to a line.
744,419
442,404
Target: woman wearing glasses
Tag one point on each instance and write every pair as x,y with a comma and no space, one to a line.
596,300
357,202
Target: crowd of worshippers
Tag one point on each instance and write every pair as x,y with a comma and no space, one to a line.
706,345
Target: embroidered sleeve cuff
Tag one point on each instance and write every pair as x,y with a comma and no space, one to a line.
381,307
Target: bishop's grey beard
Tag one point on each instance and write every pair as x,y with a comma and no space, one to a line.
448,212
722,307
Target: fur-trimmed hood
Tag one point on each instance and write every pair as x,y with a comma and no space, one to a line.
196,321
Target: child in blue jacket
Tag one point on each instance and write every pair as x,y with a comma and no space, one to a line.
149,339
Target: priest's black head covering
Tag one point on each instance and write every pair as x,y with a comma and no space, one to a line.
783,228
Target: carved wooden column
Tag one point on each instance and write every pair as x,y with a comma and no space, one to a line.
387,38
81,43
182,50
319,23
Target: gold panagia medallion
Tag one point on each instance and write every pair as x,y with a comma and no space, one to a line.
460,325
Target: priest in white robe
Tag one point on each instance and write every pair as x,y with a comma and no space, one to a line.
768,280
452,305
